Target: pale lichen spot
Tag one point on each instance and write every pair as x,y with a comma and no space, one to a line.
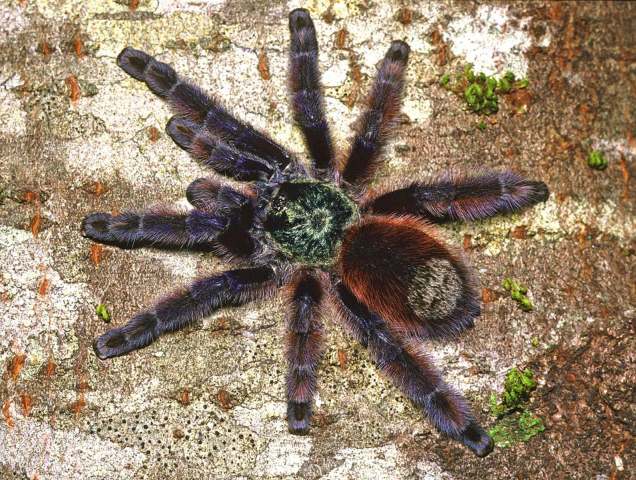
489,42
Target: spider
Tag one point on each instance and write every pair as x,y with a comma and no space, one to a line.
373,259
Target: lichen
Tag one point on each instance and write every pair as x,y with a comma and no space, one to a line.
480,91
597,160
518,293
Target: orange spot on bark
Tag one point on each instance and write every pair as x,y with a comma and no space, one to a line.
184,397
467,243
27,403
36,223
49,368
342,359
45,48
341,38
78,405
263,65
43,286
356,76
133,4
153,134
626,177
78,46
15,366
405,16
7,414
96,188
520,232
96,253
487,295
224,399
74,88
30,197
328,16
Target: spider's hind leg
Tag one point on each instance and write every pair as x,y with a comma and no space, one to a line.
202,298
412,371
303,351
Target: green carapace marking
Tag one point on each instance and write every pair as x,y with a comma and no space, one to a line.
306,220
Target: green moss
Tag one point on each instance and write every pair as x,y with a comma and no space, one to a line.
102,312
517,388
514,422
518,294
515,429
597,160
480,91
481,125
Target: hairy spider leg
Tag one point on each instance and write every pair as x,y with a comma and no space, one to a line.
303,350
381,115
211,152
413,372
163,228
189,101
453,197
209,194
174,312
306,92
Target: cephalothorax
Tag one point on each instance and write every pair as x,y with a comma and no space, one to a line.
374,258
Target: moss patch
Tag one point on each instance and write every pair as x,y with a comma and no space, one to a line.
518,294
514,422
102,312
480,91
597,160
516,428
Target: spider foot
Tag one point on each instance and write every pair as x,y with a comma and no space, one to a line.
477,440
538,191
299,19
96,226
399,51
138,333
298,417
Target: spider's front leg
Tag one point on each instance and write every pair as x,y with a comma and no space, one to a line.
462,197
410,370
202,298
303,350
304,81
202,126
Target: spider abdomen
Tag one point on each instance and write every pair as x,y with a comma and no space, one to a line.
306,220
399,268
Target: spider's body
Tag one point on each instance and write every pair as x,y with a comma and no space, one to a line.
376,259
306,221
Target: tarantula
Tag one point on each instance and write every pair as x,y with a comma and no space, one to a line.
374,258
